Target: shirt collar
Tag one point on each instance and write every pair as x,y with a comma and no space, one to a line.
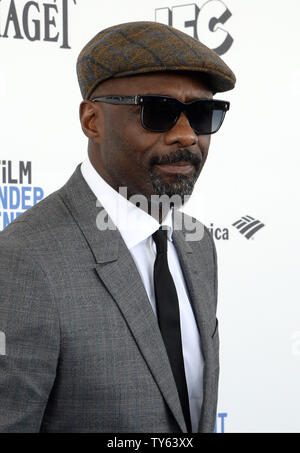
134,224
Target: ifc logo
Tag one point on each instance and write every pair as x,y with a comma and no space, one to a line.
205,23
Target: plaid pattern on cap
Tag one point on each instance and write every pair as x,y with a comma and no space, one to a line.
141,47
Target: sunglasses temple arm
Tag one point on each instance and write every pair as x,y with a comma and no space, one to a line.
118,99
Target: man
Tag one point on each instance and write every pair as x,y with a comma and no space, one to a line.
108,310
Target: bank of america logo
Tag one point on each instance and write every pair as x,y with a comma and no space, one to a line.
248,226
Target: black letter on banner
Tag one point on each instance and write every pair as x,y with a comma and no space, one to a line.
12,17
25,170
37,26
229,40
49,22
65,44
164,16
11,180
186,16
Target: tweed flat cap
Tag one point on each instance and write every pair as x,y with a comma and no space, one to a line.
143,47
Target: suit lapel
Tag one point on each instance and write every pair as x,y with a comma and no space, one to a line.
123,281
190,254
190,261
117,271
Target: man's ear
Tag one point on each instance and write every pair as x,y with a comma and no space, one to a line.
91,120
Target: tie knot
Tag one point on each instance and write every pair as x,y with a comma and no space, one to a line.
161,240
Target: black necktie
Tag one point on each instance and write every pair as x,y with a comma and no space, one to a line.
169,319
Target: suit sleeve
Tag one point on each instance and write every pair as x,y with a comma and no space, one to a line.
30,336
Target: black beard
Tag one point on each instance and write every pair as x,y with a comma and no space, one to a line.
182,186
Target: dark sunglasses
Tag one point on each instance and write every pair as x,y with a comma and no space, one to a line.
160,113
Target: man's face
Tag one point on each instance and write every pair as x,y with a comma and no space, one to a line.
125,154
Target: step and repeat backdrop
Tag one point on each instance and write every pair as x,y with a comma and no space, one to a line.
248,193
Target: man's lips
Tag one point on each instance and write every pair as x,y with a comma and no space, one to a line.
182,167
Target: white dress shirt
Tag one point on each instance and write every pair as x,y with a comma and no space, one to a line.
136,228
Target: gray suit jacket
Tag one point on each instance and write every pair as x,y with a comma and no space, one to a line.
83,349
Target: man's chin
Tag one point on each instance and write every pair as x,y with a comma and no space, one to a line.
178,186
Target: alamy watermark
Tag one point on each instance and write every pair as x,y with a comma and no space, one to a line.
158,207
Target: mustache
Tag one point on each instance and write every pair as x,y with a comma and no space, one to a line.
177,156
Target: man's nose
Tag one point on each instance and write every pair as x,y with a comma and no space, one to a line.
181,133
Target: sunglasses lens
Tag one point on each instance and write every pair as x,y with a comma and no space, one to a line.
217,120
206,117
159,115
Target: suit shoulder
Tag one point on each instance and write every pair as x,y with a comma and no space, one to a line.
39,238
50,214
